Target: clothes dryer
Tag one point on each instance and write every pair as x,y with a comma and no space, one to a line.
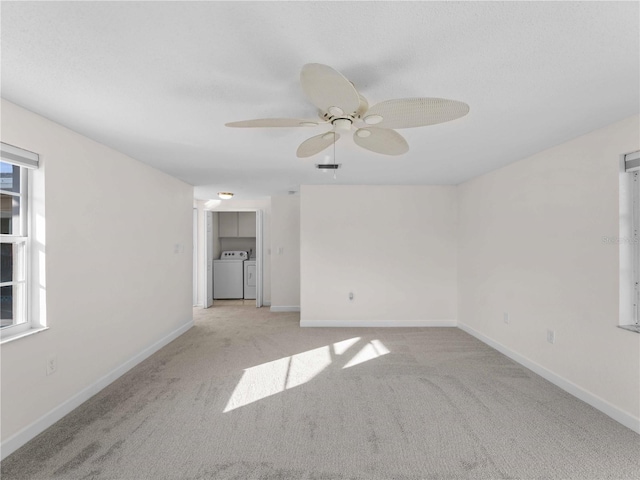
250,279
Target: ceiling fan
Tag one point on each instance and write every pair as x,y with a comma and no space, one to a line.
341,105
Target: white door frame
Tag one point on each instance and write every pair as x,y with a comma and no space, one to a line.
195,256
259,256
207,281
207,245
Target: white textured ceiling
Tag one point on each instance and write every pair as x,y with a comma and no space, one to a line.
158,81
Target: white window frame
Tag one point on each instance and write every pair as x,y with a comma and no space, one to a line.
20,235
629,242
635,245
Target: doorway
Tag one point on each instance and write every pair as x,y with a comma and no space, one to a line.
233,231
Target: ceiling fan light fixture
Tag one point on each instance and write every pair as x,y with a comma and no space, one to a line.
225,195
342,123
373,119
339,104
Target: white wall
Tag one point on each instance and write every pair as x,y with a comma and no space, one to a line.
394,247
530,245
115,286
285,256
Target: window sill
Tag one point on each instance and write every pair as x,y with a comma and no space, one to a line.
631,328
26,333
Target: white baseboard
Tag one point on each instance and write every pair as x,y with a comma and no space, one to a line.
292,308
40,425
378,323
605,407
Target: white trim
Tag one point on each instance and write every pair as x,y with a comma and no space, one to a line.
23,333
260,258
292,308
30,431
605,407
635,247
194,254
378,323
21,237
625,247
207,275
18,156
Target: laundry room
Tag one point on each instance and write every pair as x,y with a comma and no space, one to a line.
234,264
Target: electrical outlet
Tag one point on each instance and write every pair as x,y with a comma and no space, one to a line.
551,336
505,318
52,365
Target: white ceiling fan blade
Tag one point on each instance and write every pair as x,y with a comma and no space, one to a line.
326,88
381,140
316,144
274,122
414,112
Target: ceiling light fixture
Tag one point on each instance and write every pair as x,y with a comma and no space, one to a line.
342,124
339,104
225,195
327,167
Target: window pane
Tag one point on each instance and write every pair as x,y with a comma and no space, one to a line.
12,297
9,215
9,177
12,303
6,306
6,263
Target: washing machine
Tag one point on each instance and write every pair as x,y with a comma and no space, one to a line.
228,275
250,279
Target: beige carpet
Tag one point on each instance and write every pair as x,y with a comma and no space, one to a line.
247,394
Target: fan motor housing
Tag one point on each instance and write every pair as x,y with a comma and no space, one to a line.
362,108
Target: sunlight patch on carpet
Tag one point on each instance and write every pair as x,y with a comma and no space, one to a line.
274,377
371,350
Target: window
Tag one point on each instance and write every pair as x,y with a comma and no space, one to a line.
15,164
630,243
